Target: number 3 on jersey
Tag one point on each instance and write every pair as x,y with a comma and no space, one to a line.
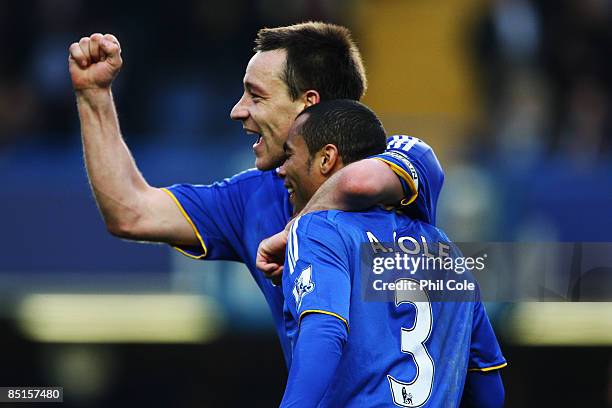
416,392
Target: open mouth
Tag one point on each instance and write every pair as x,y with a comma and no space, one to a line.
258,142
259,138
290,191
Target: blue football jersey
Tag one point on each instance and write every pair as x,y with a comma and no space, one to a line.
233,216
420,172
411,352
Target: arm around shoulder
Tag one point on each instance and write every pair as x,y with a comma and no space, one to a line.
358,186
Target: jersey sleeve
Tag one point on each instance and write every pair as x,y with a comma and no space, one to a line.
316,356
216,213
316,277
395,157
483,390
485,353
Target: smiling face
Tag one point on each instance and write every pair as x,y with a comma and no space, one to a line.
265,108
300,171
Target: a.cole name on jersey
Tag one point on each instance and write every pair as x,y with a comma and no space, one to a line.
410,245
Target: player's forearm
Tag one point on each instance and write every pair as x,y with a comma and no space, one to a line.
358,186
114,177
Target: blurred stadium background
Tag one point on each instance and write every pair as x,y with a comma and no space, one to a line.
514,95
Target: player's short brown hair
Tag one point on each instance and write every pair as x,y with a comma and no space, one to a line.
320,56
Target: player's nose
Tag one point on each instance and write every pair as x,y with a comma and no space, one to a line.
239,111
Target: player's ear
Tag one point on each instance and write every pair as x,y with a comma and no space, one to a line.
329,159
311,97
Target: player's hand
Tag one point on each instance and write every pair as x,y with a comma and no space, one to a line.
271,256
94,61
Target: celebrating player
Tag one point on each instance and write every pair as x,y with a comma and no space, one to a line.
349,352
293,67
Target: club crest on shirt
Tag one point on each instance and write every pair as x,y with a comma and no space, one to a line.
303,285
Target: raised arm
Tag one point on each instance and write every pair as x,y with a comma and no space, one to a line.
131,208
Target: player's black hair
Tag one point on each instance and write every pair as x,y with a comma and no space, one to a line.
349,125
320,56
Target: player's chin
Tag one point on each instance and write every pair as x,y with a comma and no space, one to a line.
263,164
266,161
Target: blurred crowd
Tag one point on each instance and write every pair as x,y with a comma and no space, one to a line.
546,67
184,61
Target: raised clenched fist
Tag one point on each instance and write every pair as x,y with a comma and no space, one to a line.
94,61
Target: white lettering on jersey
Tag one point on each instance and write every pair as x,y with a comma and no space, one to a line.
376,245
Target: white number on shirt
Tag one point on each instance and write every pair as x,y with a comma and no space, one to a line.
416,392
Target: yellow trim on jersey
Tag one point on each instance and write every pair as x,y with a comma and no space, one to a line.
497,367
204,250
402,173
323,312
